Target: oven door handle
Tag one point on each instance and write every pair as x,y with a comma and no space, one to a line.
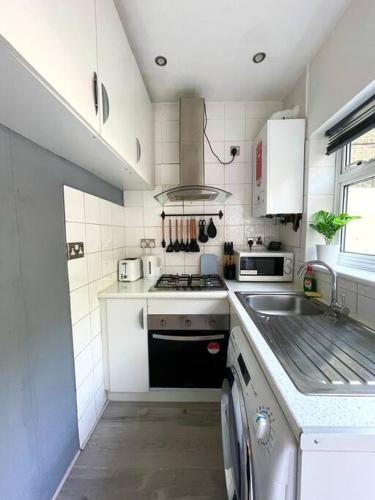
197,338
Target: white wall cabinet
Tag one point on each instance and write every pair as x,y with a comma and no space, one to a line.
144,129
127,345
278,165
117,71
52,52
58,39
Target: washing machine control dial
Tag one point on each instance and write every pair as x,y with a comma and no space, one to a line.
262,424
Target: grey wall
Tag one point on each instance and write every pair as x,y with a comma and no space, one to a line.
38,426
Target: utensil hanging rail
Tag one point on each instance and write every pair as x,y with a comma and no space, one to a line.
219,214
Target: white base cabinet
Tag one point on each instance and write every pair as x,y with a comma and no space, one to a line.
127,345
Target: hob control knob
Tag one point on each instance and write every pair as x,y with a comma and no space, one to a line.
188,323
163,323
262,426
212,323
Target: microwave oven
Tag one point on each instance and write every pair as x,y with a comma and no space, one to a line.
264,266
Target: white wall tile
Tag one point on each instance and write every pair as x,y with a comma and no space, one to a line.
75,232
83,365
256,109
235,130
218,148
95,325
170,152
152,217
107,263
105,212
93,239
215,130
81,335
133,217
235,110
85,394
74,205
92,208
365,309
94,288
214,174
170,111
215,110
77,273
170,131
234,173
96,346
118,237
252,127
86,423
133,199
94,266
170,174
79,303
133,235
106,237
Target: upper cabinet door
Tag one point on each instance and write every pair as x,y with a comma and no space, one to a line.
58,40
144,129
116,77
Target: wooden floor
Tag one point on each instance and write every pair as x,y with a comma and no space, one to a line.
151,451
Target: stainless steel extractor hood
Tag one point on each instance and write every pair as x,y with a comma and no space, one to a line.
192,188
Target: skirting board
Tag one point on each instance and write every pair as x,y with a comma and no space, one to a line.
65,477
169,395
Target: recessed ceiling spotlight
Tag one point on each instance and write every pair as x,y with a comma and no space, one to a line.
259,57
161,60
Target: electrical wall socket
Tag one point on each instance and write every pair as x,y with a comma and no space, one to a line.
147,243
238,150
75,250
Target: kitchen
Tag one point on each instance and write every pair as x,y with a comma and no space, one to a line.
125,146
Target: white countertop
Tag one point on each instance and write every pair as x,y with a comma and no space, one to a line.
307,414
141,289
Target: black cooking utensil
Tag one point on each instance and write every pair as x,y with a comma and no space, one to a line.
162,232
176,246
211,229
194,247
182,244
187,244
170,246
203,238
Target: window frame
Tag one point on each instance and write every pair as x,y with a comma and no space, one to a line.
346,177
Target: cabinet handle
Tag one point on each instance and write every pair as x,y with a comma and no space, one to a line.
141,319
139,150
95,89
105,103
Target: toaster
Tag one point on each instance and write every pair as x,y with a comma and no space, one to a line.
129,269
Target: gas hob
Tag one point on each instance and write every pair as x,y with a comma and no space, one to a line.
189,283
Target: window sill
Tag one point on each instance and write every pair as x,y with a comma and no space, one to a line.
354,274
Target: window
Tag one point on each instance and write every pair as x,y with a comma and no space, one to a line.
356,190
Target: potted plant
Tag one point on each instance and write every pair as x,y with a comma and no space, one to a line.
327,224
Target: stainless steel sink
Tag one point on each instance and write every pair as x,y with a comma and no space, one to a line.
282,304
321,353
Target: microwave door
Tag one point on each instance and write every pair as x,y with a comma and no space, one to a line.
262,266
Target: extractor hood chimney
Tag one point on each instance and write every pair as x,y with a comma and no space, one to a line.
192,129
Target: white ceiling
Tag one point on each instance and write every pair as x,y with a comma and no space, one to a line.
209,44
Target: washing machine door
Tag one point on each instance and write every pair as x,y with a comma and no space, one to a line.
236,439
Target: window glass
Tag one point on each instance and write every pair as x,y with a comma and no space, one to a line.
359,235
363,148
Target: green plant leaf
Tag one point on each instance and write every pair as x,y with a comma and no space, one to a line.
327,223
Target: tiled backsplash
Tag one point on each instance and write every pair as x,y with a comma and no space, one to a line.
100,225
229,124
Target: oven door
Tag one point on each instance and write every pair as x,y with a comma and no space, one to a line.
190,359
238,462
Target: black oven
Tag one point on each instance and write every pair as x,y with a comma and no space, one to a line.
187,351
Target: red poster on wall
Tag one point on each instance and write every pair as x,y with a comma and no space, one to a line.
258,164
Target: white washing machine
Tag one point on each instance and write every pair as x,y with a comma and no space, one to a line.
260,451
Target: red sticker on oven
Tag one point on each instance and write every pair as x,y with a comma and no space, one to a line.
213,348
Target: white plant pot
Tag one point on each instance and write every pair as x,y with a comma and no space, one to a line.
328,253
